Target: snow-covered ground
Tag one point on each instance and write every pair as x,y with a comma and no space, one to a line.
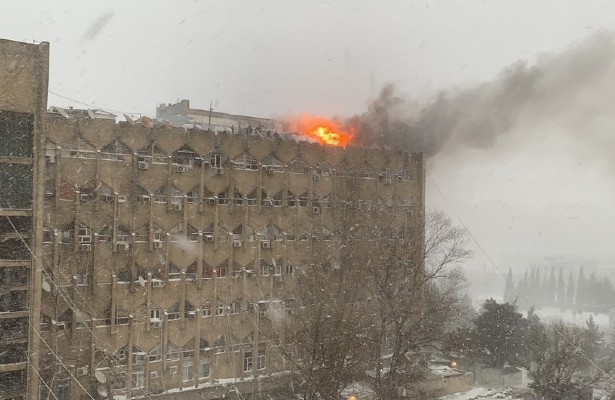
483,394
555,314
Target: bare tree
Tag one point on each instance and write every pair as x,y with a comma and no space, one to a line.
371,301
415,290
567,367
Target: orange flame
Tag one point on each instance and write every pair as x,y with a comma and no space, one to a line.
320,129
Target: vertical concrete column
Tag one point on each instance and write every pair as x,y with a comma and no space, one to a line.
131,327
182,298
113,302
202,188
199,262
94,269
148,306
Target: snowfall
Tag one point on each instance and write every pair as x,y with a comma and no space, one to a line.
546,314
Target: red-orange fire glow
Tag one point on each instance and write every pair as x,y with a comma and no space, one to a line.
321,130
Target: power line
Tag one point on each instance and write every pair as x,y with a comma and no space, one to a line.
495,266
92,106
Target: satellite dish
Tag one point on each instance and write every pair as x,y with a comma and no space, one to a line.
91,114
146,122
46,286
100,376
102,391
142,281
128,119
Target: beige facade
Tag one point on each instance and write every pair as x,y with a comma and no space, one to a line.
168,254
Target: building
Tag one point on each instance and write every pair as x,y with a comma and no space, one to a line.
154,257
180,114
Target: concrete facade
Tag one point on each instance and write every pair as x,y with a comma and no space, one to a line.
159,256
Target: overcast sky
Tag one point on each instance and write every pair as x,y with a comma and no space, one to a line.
271,58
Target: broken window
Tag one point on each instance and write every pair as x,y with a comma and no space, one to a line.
186,157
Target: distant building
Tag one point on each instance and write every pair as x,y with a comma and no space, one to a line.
180,114
142,259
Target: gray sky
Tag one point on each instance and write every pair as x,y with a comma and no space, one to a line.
271,58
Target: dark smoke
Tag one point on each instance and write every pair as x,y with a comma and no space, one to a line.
571,93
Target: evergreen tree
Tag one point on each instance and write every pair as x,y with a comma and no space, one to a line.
509,290
501,330
550,288
570,290
581,297
561,289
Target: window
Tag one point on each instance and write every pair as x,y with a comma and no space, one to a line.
277,270
154,314
204,368
220,309
290,269
247,361
235,307
173,370
63,391
137,379
207,310
221,271
264,270
262,359
188,372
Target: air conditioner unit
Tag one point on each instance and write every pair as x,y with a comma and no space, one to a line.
156,324
157,244
85,239
270,171
122,199
316,210
266,244
142,165
85,247
82,371
236,243
84,197
181,168
209,238
122,246
278,278
143,198
398,178
211,202
157,283
177,207
107,198
219,171
315,177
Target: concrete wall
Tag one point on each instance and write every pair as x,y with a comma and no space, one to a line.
163,233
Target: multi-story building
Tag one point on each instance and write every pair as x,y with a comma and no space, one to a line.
153,256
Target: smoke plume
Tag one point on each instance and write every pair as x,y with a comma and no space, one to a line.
571,94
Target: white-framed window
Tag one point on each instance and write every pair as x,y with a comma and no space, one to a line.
188,371
220,309
154,314
247,361
206,310
138,380
290,269
261,362
264,270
